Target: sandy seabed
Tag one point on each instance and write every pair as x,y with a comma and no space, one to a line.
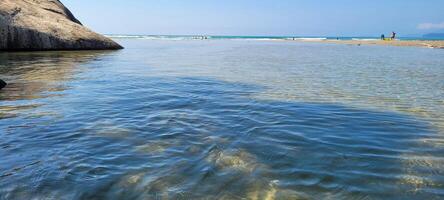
405,43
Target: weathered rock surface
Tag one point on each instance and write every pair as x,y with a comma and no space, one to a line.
45,25
2,84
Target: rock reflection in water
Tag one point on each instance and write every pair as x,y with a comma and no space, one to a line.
38,75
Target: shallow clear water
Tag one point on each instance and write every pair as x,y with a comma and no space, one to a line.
223,120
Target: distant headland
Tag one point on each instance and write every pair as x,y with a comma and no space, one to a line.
434,36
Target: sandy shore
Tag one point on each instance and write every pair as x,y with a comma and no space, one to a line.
410,43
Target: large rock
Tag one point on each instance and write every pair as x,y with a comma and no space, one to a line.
45,25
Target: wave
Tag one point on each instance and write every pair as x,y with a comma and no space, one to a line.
148,37
308,38
254,38
123,36
261,39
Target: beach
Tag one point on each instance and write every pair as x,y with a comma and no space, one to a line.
438,44
401,42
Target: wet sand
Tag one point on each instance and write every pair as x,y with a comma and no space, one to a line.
411,43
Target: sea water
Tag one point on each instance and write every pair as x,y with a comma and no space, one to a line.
262,38
223,119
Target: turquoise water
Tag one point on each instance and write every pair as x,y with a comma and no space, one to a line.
223,119
263,38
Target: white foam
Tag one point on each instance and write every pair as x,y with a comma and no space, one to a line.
261,39
309,39
123,36
159,37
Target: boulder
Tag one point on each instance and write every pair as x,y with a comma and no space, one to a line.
2,84
29,25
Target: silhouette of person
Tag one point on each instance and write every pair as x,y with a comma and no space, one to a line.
393,35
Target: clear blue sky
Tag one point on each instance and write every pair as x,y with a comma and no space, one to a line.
261,17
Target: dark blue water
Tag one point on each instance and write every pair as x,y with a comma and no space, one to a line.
222,120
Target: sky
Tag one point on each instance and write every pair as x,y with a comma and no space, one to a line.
261,17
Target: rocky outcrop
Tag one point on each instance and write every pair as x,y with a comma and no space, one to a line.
45,25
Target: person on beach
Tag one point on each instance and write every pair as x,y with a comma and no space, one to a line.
382,37
393,35
2,84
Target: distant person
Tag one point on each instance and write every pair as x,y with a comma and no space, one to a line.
382,37
2,84
393,36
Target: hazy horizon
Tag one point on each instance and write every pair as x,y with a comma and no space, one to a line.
261,18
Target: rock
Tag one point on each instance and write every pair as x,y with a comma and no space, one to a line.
2,84
45,25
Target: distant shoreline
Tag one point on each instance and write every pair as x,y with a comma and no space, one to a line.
435,44
405,42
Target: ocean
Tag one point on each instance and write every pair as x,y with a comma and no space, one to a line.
258,38
223,119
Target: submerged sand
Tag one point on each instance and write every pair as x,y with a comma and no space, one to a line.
405,43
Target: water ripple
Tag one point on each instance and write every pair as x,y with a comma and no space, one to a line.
90,131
